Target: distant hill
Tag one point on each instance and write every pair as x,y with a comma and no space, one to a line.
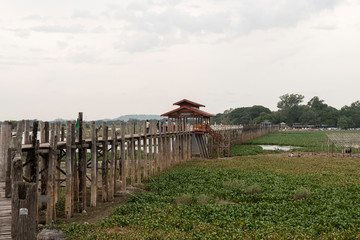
141,117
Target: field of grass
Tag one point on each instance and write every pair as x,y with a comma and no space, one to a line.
310,141
253,197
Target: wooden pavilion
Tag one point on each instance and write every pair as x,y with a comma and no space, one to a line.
188,111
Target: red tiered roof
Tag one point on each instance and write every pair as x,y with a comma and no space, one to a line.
187,108
186,102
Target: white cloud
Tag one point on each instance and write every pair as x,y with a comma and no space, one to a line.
75,28
83,14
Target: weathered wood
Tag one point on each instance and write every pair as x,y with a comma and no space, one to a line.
112,180
44,136
93,198
50,207
123,160
4,146
105,186
24,208
139,161
82,166
34,156
58,163
27,140
132,154
5,213
156,158
17,170
150,159
145,151
74,179
69,173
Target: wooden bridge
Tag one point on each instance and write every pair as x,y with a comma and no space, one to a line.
92,164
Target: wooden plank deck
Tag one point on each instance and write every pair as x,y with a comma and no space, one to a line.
5,214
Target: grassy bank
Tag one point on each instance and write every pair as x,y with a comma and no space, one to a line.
255,197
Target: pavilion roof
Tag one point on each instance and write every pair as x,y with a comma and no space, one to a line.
189,102
176,112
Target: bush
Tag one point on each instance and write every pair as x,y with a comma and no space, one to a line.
302,194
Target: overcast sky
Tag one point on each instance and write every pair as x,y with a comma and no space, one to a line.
111,58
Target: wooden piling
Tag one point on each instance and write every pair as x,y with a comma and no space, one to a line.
140,164
58,165
123,160
69,173
112,180
94,164
82,165
104,166
150,139
74,179
132,153
23,205
50,208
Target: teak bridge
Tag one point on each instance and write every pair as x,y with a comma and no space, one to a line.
82,164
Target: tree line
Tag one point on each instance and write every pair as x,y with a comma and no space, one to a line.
292,111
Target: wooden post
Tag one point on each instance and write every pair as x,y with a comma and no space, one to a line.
27,141
156,158
69,173
24,205
74,179
82,166
58,164
139,161
123,160
112,183
4,155
132,154
145,160
105,186
34,156
160,149
62,134
93,200
50,208
44,135
151,129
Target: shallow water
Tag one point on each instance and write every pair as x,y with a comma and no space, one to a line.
277,148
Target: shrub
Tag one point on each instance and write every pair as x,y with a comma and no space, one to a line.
302,194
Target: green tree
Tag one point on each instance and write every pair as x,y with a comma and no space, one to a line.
289,101
316,104
309,116
345,122
290,108
352,112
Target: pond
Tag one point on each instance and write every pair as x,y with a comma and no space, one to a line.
277,148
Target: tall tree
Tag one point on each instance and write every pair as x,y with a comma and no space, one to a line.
288,101
290,108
